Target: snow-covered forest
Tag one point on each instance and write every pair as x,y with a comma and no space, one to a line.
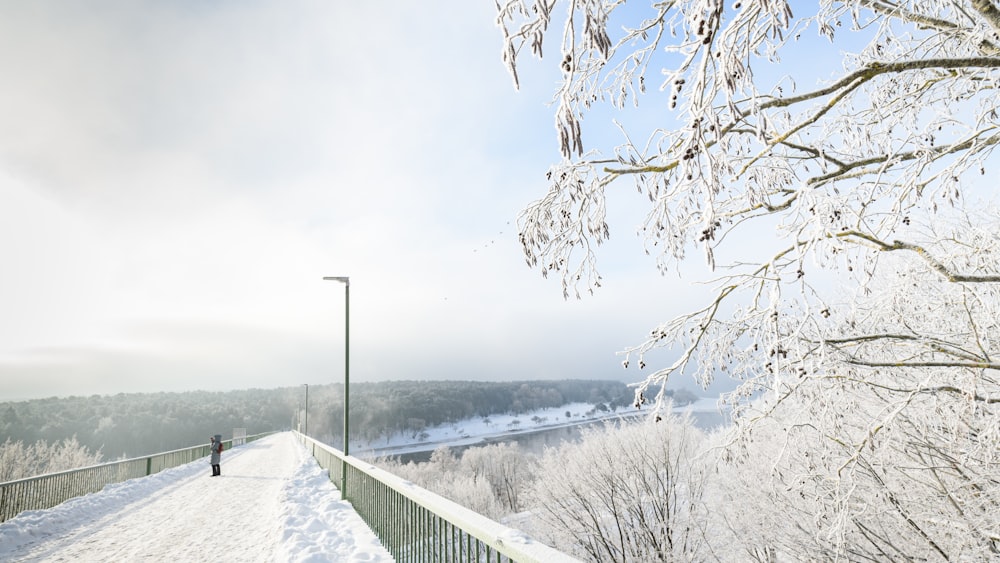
626,491
833,166
77,431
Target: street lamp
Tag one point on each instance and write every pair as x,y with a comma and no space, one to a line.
306,430
347,378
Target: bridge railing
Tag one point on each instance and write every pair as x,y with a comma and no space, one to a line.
416,525
45,491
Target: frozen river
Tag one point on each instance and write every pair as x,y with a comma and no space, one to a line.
704,413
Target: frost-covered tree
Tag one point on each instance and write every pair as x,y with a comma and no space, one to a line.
861,321
18,461
628,493
882,455
505,467
490,480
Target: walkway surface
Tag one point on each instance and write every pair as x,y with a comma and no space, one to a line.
272,503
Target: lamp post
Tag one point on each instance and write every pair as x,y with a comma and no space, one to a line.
306,429
347,378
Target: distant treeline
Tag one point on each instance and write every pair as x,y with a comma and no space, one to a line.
137,424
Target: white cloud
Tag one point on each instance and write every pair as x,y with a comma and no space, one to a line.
176,179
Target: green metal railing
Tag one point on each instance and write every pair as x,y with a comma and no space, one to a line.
46,491
416,525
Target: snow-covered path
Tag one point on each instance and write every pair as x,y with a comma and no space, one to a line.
272,503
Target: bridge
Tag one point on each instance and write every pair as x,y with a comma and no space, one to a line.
276,500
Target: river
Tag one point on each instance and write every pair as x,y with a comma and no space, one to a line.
536,441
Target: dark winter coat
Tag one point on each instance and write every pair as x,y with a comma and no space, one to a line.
217,449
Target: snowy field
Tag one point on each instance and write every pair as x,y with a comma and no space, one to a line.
272,503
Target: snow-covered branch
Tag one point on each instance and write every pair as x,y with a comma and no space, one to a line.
860,324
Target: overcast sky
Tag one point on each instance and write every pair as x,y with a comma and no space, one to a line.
177,177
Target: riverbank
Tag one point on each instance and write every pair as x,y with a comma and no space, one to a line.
559,422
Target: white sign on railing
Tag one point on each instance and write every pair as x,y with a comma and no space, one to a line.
239,436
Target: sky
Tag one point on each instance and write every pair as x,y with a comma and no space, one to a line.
177,178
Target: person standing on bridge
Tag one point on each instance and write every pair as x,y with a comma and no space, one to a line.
216,455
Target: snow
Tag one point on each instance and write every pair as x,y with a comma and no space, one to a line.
476,430
272,503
